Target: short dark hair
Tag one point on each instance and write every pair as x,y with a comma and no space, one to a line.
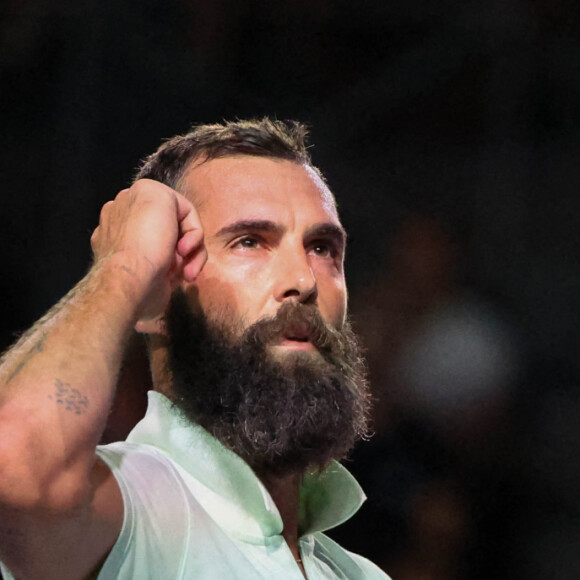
258,137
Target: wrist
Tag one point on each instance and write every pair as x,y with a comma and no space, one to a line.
126,276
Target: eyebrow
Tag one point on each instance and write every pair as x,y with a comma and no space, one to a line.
324,230
328,231
242,226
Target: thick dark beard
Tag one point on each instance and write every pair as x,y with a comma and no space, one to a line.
281,415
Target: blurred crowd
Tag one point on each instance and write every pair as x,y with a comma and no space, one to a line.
471,472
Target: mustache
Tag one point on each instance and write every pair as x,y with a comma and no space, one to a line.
298,321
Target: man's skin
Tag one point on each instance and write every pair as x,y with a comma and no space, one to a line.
270,234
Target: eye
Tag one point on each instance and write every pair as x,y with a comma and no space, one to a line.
323,249
247,243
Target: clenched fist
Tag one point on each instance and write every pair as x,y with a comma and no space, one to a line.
155,234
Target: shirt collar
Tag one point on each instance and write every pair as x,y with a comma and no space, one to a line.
326,499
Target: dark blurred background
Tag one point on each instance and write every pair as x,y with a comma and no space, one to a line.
449,133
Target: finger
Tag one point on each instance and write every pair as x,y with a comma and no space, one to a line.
194,265
175,273
95,238
105,212
185,209
189,242
188,217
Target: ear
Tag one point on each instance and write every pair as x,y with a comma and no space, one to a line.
152,326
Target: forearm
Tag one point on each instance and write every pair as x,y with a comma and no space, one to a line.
57,384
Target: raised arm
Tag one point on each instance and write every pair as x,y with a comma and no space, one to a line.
58,381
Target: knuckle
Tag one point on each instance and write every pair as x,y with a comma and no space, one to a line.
123,193
149,190
107,206
95,239
105,211
137,187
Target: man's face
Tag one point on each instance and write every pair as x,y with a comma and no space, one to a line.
259,350
272,235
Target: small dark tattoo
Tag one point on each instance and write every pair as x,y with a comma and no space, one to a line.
128,270
71,399
38,347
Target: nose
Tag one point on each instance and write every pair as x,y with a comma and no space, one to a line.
294,278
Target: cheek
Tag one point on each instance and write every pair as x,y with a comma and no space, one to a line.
332,300
212,293
227,291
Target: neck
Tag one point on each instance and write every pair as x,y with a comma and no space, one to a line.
158,356
285,492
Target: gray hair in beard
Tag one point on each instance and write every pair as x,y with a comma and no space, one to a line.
282,415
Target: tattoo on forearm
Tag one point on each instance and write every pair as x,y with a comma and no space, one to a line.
38,347
129,271
70,399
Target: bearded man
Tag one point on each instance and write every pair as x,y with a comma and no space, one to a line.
227,253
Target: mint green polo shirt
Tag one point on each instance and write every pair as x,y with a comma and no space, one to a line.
196,510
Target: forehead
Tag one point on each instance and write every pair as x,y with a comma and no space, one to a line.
258,187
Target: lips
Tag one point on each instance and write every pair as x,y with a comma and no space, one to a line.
295,326
298,332
295,345
296,336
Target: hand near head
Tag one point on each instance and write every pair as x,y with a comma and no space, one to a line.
156,234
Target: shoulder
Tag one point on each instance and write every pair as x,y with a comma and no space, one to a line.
156,513
149,480
137,463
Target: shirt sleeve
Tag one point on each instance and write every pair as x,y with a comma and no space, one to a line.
155,523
